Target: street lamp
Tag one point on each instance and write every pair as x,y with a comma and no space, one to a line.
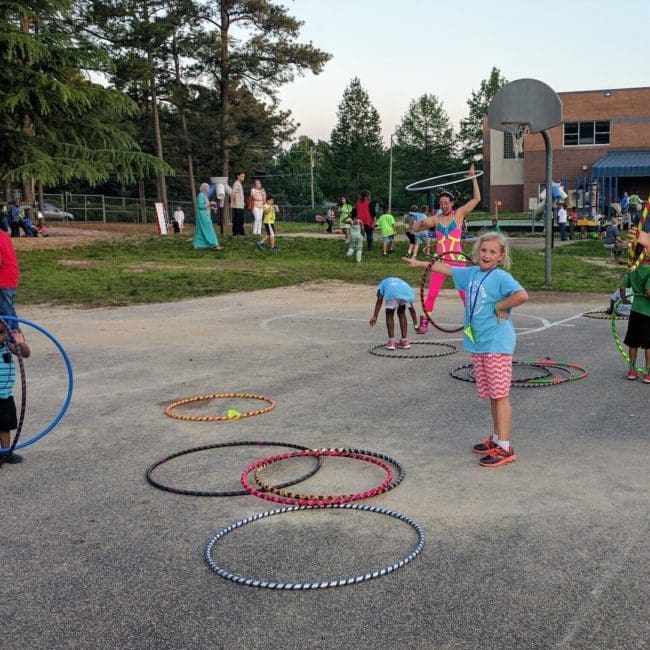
390,176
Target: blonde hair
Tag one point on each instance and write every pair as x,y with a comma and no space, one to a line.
502,239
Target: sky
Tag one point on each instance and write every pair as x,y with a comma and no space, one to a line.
402,49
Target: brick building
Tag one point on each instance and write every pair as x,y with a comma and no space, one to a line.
600,151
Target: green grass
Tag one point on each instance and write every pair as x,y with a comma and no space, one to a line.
160,269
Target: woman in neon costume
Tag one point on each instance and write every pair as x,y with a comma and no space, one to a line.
448,226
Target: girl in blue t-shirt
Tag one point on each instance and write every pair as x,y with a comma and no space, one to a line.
489,334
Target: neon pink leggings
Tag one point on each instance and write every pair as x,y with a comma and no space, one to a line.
435,284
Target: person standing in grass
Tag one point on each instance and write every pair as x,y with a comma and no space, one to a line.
356,235
386,225
343,210
269,225
363,214
204,235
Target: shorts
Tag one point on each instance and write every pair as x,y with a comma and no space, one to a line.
422,237
393,304
389,239
411,237
8,420
493,374
270,231
638,331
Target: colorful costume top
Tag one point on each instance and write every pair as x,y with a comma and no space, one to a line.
448,240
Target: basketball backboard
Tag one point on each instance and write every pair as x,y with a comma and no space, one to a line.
527,101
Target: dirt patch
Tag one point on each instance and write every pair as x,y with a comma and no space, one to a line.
82,264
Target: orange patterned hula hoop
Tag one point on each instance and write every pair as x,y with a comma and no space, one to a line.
218,418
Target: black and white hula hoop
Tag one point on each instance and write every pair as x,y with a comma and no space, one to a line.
319,584
447,349
433,181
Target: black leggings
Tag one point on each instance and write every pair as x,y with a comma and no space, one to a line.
369,232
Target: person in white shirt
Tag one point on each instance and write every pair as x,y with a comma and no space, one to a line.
179,217
562,220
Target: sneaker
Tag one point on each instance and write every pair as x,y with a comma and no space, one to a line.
404,344
498,456
260,245
485,446
12,458
275,249
390,345
646,378
632,374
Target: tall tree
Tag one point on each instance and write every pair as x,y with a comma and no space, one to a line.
424,145
54,124
357,159
471,128
257,48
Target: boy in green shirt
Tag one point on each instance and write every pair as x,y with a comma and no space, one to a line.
386,225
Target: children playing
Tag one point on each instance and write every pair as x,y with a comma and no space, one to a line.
489,334
8,419
386,225
355,228
398,296
268,221
638,325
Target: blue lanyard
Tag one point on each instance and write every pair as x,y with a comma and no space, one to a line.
473,299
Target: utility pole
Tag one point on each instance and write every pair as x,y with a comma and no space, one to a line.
311,176
390,177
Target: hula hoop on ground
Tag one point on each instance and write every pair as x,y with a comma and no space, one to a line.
603,314
560,366
284,493
320,584
467,177
68,396
450,349
311,499
470,376
617,339
226,493
218,418
423,284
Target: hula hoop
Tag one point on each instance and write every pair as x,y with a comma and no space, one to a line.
218,418
545,372
320,584
617,339
284,493
225,493
567,368
631,263
68,396
412,188
310,499
603,314
423,283
451,349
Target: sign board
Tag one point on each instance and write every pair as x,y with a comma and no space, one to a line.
162,222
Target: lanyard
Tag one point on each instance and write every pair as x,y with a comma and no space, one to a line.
473,300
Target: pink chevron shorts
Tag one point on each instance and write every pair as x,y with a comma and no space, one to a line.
493,374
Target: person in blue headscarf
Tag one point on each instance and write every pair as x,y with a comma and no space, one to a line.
204,235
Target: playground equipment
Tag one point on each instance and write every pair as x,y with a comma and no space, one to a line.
529,106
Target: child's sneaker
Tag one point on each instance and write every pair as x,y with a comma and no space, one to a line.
632,374
646,378
390,345
275,249
498,456
12,458
260,245
485,446
404,344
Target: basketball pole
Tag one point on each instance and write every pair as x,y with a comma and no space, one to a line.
548,213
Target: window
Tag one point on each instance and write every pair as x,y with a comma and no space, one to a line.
586,133
508,147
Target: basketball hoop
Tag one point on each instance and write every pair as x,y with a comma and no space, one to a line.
518,131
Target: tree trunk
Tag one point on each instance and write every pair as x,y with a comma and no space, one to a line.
142,216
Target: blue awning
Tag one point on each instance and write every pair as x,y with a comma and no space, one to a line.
623,163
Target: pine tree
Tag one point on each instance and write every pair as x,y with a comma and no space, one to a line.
55,124
357,160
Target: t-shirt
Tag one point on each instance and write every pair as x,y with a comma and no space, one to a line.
386,224
395,289
9,273
483,290
611,235
7,371
269,213
179,217
561,216
344,212
623,308
639,282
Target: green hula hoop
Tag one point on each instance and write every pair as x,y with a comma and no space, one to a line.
617,338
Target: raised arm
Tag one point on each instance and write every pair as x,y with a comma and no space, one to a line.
464,210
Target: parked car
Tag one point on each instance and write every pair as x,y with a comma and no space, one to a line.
51,212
